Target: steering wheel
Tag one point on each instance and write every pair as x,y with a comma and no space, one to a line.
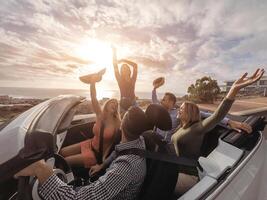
28,186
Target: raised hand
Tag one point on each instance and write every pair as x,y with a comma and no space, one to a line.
114,54
133,64
115,64
158,82
122,61
245,81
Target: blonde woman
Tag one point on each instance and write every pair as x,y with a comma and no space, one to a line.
188,139
89,152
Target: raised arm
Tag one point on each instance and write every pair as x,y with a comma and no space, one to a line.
134,65
226,104
156,85
207,114
95,103
222,110
115,64
154,96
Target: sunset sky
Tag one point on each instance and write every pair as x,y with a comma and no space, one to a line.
49,43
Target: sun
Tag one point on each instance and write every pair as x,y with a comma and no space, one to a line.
95,51
98,53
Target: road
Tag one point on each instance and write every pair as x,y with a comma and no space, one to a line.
239,105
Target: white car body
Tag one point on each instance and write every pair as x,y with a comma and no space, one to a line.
246,182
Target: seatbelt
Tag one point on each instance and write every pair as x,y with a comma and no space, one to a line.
181,161
99,153
101,139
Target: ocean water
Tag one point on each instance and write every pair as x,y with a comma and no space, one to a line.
42,93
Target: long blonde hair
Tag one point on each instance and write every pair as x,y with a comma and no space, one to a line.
116,116
192,114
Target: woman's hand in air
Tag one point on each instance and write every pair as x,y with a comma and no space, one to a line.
133,64
95,169
244,81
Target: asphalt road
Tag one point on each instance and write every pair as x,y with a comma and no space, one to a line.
240,105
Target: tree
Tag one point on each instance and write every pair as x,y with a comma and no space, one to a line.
204,90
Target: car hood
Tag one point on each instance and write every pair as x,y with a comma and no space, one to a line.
30,136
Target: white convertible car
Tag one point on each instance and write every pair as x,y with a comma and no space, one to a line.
233,166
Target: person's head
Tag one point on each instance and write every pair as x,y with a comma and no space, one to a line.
125,71
110,108
168,101
134,123
189,114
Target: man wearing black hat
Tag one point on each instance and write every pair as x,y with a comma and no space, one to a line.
123,178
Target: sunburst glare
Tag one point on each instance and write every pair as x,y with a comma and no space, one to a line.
99,54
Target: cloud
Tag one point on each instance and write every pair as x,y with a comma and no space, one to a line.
182,40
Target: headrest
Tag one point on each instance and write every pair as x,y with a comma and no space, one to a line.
135,122
158,116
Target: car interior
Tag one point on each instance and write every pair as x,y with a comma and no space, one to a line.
222,150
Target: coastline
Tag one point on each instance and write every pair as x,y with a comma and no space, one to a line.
10,107
45,93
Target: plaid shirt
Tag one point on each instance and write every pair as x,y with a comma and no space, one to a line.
122,180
